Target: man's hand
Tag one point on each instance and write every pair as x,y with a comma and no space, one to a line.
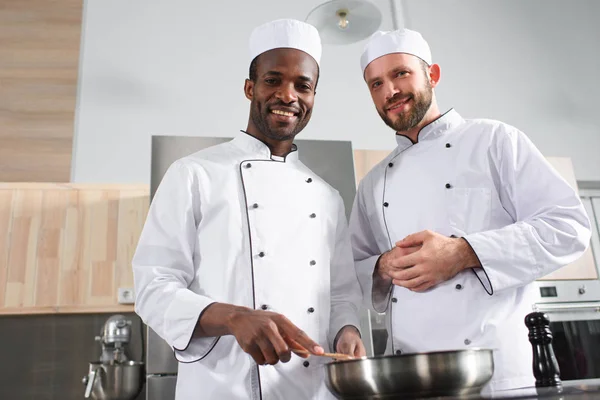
350,343
439,259
392,261
267,336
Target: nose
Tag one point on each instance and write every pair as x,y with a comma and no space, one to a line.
287,94
390,90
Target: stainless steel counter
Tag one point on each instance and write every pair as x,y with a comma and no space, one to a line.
581,390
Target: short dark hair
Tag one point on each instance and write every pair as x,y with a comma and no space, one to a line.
252,73
253,67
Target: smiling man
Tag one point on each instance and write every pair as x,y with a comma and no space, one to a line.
451,229
245,253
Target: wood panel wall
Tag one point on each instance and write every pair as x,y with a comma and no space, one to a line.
67,247
39,58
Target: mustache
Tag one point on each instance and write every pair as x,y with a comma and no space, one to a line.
397,97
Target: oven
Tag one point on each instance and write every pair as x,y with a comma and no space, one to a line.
575,338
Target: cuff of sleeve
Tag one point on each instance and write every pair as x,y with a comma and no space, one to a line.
498,273
381,291
480,272
181,318
345,318
375,296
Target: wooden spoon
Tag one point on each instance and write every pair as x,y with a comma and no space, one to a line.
337,356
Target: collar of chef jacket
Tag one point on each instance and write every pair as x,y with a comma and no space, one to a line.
433,130
260,150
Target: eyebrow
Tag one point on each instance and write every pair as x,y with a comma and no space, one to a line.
277,73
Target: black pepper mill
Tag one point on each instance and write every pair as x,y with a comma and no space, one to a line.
545,366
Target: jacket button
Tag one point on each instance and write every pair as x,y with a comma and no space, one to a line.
398,352
264,307
391,164
255,205
313,215
309,180
467,342
458,286
448,186
248,165
385,204
261,254
394,300
448,145
313,262
311,310
306,364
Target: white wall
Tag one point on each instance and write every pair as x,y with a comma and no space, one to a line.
178,67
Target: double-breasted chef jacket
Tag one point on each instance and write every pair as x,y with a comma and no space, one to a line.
486,182
233,224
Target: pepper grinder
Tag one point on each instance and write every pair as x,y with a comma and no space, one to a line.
545,366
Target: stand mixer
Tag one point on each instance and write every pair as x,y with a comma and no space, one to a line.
116,334
114,376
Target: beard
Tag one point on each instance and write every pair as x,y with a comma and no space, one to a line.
407,120
280,131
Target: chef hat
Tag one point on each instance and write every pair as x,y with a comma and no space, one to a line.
399,41
286,33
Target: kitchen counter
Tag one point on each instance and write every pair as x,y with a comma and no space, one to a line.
584,389
581,390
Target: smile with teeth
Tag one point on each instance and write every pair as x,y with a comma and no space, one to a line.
284,113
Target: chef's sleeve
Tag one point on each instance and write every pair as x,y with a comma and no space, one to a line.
366,254
163,265
345,289
551,228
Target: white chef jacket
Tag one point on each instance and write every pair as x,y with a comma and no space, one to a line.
484,181
229,224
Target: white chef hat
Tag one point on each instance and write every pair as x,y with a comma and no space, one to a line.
399,41
286,33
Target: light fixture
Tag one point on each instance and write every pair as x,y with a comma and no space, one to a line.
343,16
345,21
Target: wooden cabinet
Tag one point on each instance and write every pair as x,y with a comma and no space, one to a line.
67,247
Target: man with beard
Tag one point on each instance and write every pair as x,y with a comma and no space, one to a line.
245,254
452,228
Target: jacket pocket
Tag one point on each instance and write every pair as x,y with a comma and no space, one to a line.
469,209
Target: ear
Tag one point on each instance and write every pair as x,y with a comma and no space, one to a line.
434,75
249,89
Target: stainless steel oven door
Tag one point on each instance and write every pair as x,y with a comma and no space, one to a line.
576,338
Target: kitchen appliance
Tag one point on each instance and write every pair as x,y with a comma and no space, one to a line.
576,338
116,334
417,375
114,381
331,160
114,376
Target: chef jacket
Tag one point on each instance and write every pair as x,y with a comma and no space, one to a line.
486,182
230,224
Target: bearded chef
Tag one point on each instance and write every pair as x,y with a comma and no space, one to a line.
451,229
245,252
